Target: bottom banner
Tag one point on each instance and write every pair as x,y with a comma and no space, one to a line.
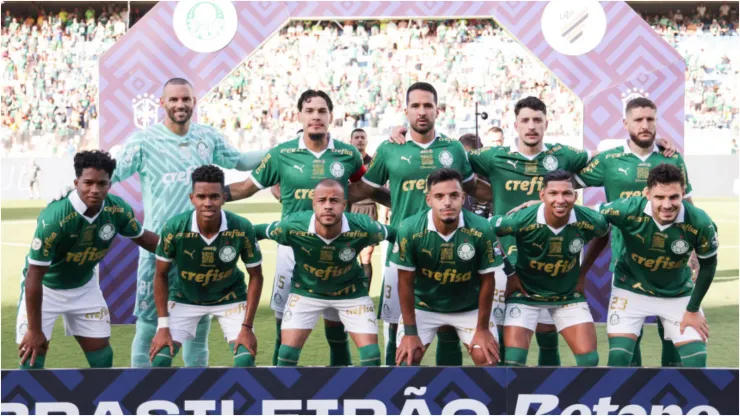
387,390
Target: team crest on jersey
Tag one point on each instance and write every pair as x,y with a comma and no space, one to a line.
36,244
576,245
445,158
680,247
550,162
714,242
107,232
466,251
347,254
202,149
498,221
227,254
336,169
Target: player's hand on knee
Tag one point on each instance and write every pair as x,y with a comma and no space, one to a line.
162,339
667,148
410,350
248,340
484,341
513,284
33,344
697,321
62,193
398,135
522,206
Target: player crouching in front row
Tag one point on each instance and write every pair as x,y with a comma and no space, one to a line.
326,242
445,260
550,237
61,276
205,245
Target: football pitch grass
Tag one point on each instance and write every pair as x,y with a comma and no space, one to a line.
18,222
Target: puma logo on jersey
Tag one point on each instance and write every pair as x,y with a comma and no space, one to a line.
299,167
623,170
189,253
642,238
426,250
408,159
43,222
306,250
538,246
512,163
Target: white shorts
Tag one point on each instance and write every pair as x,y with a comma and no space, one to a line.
83,309
427,324
628,310
390,310
564,316
499,301
281,284
357,315
184,319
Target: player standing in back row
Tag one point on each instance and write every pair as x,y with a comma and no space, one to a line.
358,139
298,165
164,156
407,166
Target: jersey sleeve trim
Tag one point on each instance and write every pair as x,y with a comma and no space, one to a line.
164,259
385,230
255,264
589,155
367,181
135,236
469,178
405,268
256,182
580,181
39,263
489,270
688,195
608,228
705,256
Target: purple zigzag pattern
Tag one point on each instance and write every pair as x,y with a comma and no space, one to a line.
151,51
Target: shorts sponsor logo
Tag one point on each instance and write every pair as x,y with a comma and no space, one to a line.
680,246
36,244
550,162
614,319
336,169
445,158
576,245
278,298
466,251
498,314
107,232
227,254
347,254
515,312
287,316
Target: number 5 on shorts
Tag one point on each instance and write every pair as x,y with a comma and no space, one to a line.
281,282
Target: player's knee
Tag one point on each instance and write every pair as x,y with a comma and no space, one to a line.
590,359
620,351
242,357
516,357
288,356
693,354
370,355
102,358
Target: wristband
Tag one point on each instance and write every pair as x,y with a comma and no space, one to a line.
227,193
410,330
163,322
248,326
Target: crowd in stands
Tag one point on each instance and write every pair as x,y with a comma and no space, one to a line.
49,75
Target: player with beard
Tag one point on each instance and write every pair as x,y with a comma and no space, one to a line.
623,172
358,139
298,165
164,156
406,166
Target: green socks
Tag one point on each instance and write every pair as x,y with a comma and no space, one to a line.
669,356
516,357
288,356
370,355
163,357
37,365
278,339
501,348
448,349
242,358
102,358
620,351
590,359
548,343
339,354
390,345
693,354
636,353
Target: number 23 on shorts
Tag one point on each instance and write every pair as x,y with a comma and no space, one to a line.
618,304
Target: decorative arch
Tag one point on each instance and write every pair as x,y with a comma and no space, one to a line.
630,56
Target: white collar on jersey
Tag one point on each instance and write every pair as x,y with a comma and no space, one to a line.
432,227
514,149
679,218
302,145
422,145
194,227
80,207
541,219
628,151
312,228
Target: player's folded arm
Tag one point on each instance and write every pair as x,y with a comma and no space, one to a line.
707,270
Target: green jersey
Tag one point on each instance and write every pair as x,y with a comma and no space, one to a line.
516,178
655,257
447,268
549,261
206,268
623,174
327,269
298,170
71,244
